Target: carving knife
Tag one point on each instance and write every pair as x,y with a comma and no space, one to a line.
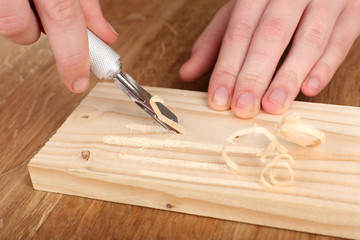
105,63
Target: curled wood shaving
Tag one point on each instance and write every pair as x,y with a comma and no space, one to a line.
171,123
275,163
292,130
302,134
270,149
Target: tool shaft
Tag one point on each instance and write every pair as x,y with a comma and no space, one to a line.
105,63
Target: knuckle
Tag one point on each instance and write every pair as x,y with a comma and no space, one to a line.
273,29
328,71
262,56
226,71
72,61
61,10
314,36
342,44
206,40
12,25
226,75
290,79
253,79
239,33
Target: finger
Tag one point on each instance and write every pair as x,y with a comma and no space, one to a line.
273,34
207,46
242,24
18,23
65,27
346,30
96,22
309,43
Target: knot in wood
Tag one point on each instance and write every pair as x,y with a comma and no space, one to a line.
85,155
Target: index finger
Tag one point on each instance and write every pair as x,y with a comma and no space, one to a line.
65,27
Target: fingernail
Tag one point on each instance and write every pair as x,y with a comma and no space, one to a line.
245,101
113,29
80,85
221,97
313,83
278,97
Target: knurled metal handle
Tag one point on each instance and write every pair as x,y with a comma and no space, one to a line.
104,61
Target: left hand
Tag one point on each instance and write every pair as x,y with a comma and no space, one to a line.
246,39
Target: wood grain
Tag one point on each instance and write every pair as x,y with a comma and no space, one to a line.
186,172
34,104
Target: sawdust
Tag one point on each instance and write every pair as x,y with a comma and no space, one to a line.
278,170
145,142
146,129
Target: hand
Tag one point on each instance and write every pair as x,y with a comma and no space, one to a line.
65,23
246,39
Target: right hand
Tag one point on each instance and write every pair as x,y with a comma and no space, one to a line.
65,23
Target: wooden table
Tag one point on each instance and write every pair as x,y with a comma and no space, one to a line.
154,40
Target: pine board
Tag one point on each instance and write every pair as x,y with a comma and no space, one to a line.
324,199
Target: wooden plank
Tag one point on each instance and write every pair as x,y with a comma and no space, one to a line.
324,199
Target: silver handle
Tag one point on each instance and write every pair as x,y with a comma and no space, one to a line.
104,61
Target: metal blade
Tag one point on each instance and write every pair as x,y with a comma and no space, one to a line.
166,112
142,98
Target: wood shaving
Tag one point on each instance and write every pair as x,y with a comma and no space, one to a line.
302,134
292,130
290,127
275,163
270,149
171,123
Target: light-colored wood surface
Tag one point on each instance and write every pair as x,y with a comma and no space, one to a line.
34,104
187,173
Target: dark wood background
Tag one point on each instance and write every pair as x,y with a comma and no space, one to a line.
155,38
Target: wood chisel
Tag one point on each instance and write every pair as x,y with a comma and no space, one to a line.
105,63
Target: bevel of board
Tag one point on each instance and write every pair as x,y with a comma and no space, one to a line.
324,198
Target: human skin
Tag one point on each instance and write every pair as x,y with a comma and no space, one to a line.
242,46
245,40
65,23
